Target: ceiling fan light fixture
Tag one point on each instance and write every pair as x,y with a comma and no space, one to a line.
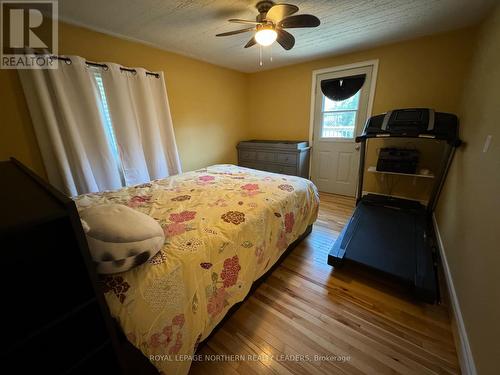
271,22
266,36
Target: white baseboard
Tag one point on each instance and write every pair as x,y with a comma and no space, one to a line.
465,357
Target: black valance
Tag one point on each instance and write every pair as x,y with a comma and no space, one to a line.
342,88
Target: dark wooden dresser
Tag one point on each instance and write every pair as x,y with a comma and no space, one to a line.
53,315
286,157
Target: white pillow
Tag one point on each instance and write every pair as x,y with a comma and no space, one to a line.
119,237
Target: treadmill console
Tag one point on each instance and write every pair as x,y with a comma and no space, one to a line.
413,122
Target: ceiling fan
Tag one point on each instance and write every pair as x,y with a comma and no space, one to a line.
270,24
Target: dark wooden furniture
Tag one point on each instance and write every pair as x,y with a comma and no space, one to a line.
286,157
54,317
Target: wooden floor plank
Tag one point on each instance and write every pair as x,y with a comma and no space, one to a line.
352,327
307,308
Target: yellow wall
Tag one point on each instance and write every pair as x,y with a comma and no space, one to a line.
468,213
208,102
213,107
425,72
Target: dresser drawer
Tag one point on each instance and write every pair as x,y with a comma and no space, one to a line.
248,155
282,169
287,158
266,156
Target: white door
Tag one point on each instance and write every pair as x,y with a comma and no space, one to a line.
335,155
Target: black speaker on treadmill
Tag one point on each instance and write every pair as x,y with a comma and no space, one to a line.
397,160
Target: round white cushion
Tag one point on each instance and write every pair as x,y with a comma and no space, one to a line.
119,237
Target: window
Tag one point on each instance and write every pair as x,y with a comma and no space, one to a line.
339,117
108,125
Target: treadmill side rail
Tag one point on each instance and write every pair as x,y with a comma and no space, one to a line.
426,283
337,253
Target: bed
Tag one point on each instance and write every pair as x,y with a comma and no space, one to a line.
225,226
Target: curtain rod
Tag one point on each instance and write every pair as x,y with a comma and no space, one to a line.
104,66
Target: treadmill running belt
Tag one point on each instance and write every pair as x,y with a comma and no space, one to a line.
384,238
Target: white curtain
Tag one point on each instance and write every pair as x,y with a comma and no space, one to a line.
142,123
72,128
68,123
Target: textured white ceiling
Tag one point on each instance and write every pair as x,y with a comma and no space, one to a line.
188,27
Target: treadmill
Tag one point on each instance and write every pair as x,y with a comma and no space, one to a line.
395,236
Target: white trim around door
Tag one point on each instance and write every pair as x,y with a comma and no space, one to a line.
334,164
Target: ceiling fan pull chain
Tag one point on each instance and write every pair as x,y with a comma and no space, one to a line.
260,55
271,53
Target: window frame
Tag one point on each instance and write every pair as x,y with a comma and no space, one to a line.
356,111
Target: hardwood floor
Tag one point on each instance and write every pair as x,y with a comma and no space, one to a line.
306,308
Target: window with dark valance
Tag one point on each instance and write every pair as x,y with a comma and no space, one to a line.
339,89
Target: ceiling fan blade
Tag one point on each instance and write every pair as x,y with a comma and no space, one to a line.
236,32
300,20
279,11
251,42
285,39
237,20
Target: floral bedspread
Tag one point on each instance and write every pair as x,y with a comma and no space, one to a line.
225,226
